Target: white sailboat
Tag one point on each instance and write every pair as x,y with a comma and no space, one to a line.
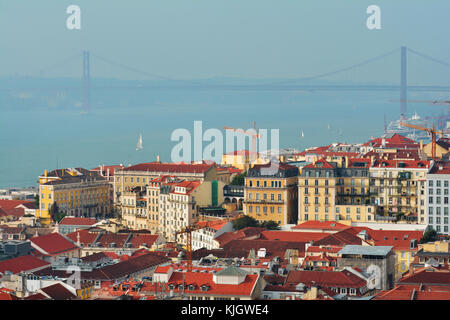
303,134
139,144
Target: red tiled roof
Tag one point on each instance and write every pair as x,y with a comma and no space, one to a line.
53,244
189,185
216,224
37,296
414,292
6,294
242,248
396,139
327,249
245,233
340,238
198,279
86,236
380,163
326,278
170,167
11,204
74,221
11,230
292,236
321,225
13,212
399,239
23,263
352,163
138,239
441,168
324,164
58,292
425,276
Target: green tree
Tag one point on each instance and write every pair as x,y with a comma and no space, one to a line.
55,214
429,235
270,225
244,222
239,179
36,201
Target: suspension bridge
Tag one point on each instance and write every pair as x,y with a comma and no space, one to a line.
295,84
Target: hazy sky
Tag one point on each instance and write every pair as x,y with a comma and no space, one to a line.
221,38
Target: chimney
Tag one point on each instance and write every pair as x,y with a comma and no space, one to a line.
158,158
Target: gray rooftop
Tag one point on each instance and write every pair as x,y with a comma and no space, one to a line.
232,271
366,250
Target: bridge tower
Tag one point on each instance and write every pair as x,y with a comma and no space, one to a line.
403,84
86,82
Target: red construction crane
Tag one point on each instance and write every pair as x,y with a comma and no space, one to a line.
431,131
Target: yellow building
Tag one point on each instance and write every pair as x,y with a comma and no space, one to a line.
85,290
76,192
242,159
442,148
327,192
141,174
271,196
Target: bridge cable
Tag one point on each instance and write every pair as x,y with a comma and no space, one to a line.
429,57
145,73
58,64
339,70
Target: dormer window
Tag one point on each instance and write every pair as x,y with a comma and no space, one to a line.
204,287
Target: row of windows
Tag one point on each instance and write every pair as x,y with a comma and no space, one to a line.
438,220
257,196
257,209
438,191
265,184
438,211
438,183
438,200
327,217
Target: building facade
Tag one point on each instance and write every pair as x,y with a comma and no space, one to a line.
75,191
271,196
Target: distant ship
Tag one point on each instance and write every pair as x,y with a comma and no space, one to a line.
417,135
139,144
303,135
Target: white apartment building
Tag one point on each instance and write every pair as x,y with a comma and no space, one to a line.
437,198
205,237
